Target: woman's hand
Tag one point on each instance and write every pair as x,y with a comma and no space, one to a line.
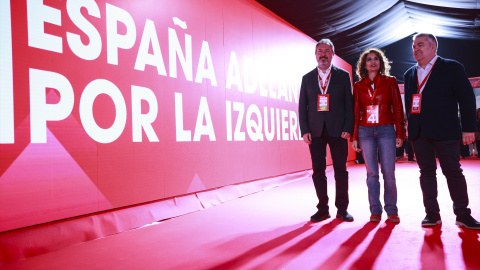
398,142
355,146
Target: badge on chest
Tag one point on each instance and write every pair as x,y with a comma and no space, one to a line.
416,103
323,102
372,114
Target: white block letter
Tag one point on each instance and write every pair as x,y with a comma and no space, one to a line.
37,15
254,129
240,108
94,47
143,57
115,40
284,125
7,135
228,115
293,125
92,90
202,72
249,75
176,50
182,135
40,111
233,74
269,133
140,120
207,129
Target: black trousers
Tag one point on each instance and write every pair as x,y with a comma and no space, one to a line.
449,158
339,152
409,149
464,149
477,143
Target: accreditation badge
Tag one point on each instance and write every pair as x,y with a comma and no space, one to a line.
323,102
416,103
372,114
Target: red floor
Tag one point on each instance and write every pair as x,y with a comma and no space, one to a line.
270,230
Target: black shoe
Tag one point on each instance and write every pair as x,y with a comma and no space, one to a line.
345,217
431,220
468,221
319,216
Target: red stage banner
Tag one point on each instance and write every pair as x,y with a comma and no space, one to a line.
106,104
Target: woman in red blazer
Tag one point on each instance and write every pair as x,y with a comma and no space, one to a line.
378,129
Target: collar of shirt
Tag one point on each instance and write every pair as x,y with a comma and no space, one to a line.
375,80
324,75
421,72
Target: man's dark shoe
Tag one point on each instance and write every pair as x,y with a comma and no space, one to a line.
345,217
319,216
431,220
468,221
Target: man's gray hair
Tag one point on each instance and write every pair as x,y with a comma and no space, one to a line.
326,41
431,38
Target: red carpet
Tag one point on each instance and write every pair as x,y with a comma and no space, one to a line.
271,230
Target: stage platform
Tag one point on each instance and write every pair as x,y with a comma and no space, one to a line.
271,230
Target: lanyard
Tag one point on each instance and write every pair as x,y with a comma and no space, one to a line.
420,88
323,87
371,92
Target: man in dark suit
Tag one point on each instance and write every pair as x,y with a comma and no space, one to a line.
434,90
326,117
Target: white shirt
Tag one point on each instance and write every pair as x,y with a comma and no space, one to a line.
422,72
324,76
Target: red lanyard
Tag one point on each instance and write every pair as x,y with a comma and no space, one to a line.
322,86
371,92
426,77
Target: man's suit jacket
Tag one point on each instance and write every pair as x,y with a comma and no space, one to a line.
340,116
446,90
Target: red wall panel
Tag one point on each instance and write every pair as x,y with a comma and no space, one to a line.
155,99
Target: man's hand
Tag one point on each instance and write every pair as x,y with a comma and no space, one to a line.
307,137
468,137
345,135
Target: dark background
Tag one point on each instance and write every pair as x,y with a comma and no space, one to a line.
400,55
354,26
